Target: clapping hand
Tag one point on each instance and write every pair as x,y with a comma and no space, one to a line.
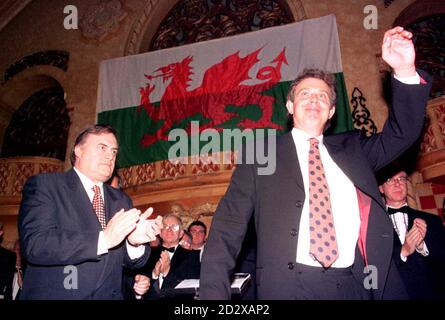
122,223
146,230
163,264
414,237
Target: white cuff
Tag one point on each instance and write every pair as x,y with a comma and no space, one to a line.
409,80
135,252
424,252
403,258
101,244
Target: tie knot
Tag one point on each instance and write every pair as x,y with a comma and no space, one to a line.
314,142
96,189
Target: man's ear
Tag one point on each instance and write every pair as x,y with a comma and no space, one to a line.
381,189
77,151
331,111
181,234
290,107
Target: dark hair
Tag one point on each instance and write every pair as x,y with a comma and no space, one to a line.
327,77
198,223
96,129
390,170
186,233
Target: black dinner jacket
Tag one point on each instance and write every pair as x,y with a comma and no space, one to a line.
185,264
424,276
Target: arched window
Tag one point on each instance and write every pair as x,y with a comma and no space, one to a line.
39,127
192,21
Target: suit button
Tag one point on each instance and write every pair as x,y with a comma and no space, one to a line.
299,204
290,265
294,232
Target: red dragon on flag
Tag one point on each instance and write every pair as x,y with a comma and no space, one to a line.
221,86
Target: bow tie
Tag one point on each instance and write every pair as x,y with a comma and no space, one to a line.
403,209
172,249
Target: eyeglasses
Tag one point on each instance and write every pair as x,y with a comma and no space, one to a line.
400,180
197,231
173,227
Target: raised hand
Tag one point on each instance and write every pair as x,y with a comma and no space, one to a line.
122,223
398,51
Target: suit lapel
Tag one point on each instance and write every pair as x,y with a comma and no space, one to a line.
80,200
110,203
350,163
288,159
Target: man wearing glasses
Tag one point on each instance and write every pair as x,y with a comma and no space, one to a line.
198,231
170,263
419,240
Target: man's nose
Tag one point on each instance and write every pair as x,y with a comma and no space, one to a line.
314,97
109,154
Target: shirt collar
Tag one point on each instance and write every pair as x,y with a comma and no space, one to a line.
301,136
404,204
87,183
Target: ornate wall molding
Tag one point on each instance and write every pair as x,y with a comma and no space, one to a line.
101,19
168,170
141,27
361,116
16,170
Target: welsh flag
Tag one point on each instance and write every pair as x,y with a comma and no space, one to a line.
235,82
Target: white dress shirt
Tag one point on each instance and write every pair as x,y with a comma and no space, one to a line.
400,223
344,203
88,184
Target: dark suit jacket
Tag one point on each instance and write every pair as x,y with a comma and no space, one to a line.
424,276
7,269
185,264
59,235
277,201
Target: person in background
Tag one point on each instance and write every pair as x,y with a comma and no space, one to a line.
170,263
419,238
186,241
198,230
19,270
7,269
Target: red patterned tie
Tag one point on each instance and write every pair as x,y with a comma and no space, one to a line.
98,205
323,246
